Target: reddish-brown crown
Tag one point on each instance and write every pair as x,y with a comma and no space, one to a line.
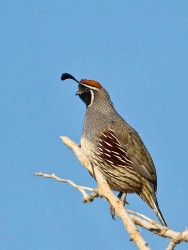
91,83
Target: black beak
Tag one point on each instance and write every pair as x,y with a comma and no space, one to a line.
77,92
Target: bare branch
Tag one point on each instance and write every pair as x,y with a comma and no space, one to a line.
140,215
155,228
129,220
105,191
82,189
171,246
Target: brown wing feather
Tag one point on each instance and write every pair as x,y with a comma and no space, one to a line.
113,152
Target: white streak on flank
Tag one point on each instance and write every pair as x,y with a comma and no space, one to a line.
128,160
118,141
115,138
103,134
109,136
107,155
123,166
114,152
110,162
120,158
112,135
92,98
121,149
107,150
112,130
108,143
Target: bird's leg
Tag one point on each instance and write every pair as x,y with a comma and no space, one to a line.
122,197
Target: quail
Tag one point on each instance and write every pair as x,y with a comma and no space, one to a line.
115,147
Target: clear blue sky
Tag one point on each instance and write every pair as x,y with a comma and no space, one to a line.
138,50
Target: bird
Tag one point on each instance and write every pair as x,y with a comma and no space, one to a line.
112,145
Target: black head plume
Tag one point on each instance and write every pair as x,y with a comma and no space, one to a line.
66,76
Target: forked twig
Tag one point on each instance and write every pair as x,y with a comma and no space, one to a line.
129,220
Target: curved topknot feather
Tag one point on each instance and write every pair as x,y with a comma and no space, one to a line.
89,83
66,76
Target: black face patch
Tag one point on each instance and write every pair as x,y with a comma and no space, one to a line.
84,94
86,97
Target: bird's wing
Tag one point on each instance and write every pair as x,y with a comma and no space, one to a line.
129,154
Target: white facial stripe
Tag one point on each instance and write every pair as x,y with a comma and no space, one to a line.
90,87
92,98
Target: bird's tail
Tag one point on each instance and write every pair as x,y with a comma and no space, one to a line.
148,195
157,211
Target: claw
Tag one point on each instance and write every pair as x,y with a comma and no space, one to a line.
112,212
122,197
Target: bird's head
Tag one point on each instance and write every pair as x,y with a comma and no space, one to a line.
88,90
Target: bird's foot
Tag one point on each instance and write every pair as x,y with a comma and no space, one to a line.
122,197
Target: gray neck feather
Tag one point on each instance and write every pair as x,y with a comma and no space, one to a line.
99,114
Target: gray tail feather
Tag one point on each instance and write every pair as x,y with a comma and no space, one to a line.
157,211
149,196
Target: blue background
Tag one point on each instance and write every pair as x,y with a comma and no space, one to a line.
138,50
